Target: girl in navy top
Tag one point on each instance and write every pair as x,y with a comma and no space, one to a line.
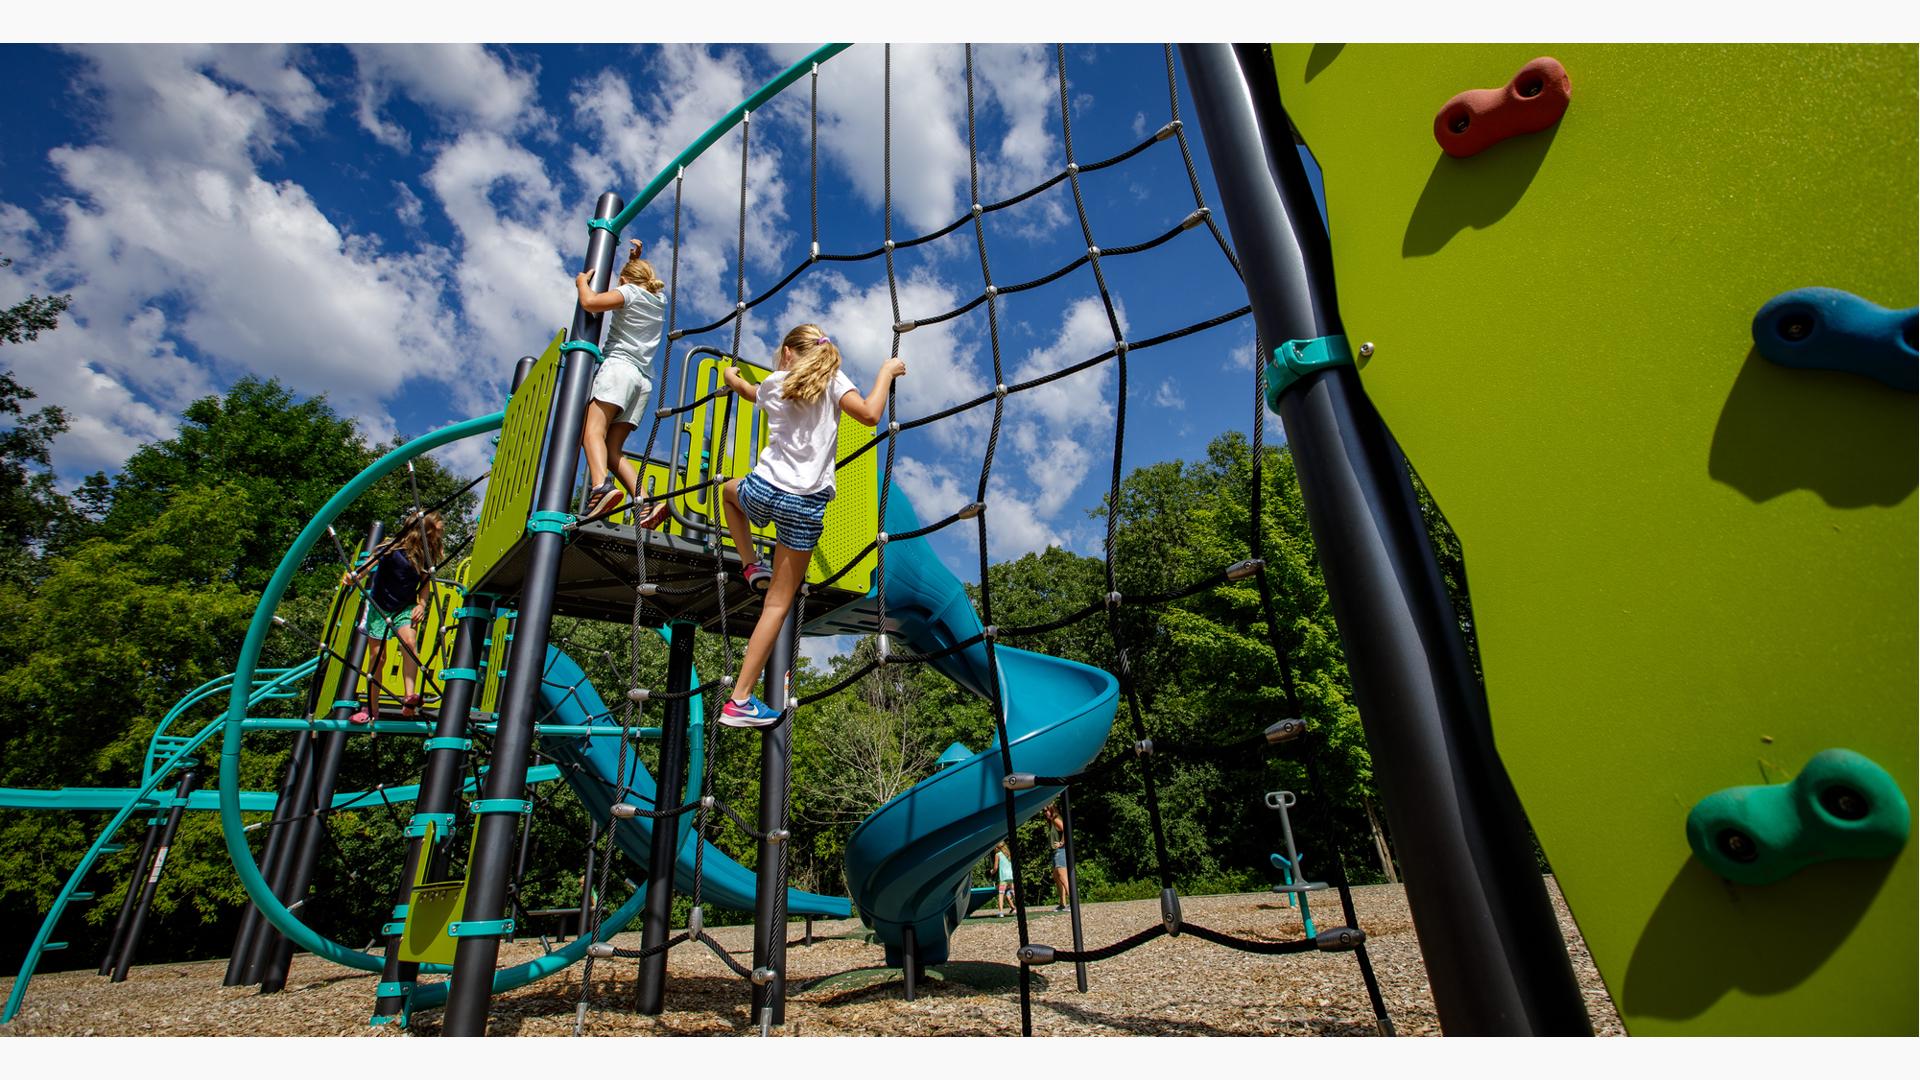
402,575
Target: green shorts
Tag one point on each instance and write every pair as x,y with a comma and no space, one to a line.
382,625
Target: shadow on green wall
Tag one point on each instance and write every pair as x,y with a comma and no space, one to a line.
1709,936
1844,437
1475,192
1320,57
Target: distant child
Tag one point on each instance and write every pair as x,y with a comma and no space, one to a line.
623,381
790,485
1003,862
1057,836
402,573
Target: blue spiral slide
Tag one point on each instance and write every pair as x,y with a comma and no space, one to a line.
909,865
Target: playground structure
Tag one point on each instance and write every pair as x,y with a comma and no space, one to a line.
1671,542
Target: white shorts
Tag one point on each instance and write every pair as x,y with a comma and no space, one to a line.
619,382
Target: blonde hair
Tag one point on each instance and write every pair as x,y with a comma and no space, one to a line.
639,271
815,362
421,542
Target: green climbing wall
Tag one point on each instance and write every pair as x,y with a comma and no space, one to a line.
1690,569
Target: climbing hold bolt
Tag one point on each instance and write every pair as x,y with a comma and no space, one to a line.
1841,806
1533,100
1834,330
1366,350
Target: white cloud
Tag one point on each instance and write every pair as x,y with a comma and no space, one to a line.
464,86
172,240
408,207
1167,395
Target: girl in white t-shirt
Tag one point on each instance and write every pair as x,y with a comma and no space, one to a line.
622,381
790,486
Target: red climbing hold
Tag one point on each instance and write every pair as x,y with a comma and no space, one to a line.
1533,100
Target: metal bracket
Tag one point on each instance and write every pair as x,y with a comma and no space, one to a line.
449,742
577,345
459,674
1296,359
553,521
480,928
502,806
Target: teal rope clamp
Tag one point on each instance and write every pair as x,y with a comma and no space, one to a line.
391,929
393,989
449,742
464,674
348,704
472,612
502,806
480,928
582,346
417,825
602,223
1296,359
553,521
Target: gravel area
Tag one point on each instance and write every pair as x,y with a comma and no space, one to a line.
1170,986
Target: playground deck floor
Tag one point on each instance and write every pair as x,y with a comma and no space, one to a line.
1167,987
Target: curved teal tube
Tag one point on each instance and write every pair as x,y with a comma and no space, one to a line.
230,825
910,863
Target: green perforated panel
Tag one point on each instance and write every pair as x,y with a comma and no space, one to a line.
516,463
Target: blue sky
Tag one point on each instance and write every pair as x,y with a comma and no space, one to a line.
393,225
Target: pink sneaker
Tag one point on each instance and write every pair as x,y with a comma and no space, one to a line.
361,717
759,576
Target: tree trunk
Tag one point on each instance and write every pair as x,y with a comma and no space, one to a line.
1380,842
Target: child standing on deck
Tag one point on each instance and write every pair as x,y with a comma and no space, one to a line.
790,485
623,380
402,580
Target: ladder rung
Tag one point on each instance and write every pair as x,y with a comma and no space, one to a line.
53,946
108,849
76,897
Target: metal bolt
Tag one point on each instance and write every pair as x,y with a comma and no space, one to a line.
1366,349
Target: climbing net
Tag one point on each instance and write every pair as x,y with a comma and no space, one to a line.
1145,751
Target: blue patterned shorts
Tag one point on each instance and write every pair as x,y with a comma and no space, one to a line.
797,517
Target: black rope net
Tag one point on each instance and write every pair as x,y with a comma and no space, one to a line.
1145,752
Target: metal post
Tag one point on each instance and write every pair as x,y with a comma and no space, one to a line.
476,955
656,920
586,878
1073,889
910,961
439,791
133,893
770,878
1487,930
246,940
303,846
138,924
279,875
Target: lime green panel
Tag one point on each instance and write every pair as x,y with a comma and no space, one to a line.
730,431
330,663
516,463
431,908
1691,570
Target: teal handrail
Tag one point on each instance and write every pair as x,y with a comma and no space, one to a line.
141,799
721,127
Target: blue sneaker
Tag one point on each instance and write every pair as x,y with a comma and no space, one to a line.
751,713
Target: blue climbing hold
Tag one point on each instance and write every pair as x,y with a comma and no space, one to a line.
1834,330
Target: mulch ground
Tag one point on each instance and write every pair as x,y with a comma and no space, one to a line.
1171,986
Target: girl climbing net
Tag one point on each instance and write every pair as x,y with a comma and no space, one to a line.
791,485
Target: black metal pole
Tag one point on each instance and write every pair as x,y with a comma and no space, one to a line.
439,790
303,846
909,962
1487,930
656,919
770,879
138,924
133,894
1073,889
586,878
292,828
476,954
246,940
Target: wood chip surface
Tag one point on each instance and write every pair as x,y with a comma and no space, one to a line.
1170,986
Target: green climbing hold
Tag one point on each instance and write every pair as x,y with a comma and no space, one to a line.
1841,806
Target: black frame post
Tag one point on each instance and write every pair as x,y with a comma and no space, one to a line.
439,792
132,896
476,955
656,919
301,851
138,924
770,874
1073,889
246,939
1487,931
